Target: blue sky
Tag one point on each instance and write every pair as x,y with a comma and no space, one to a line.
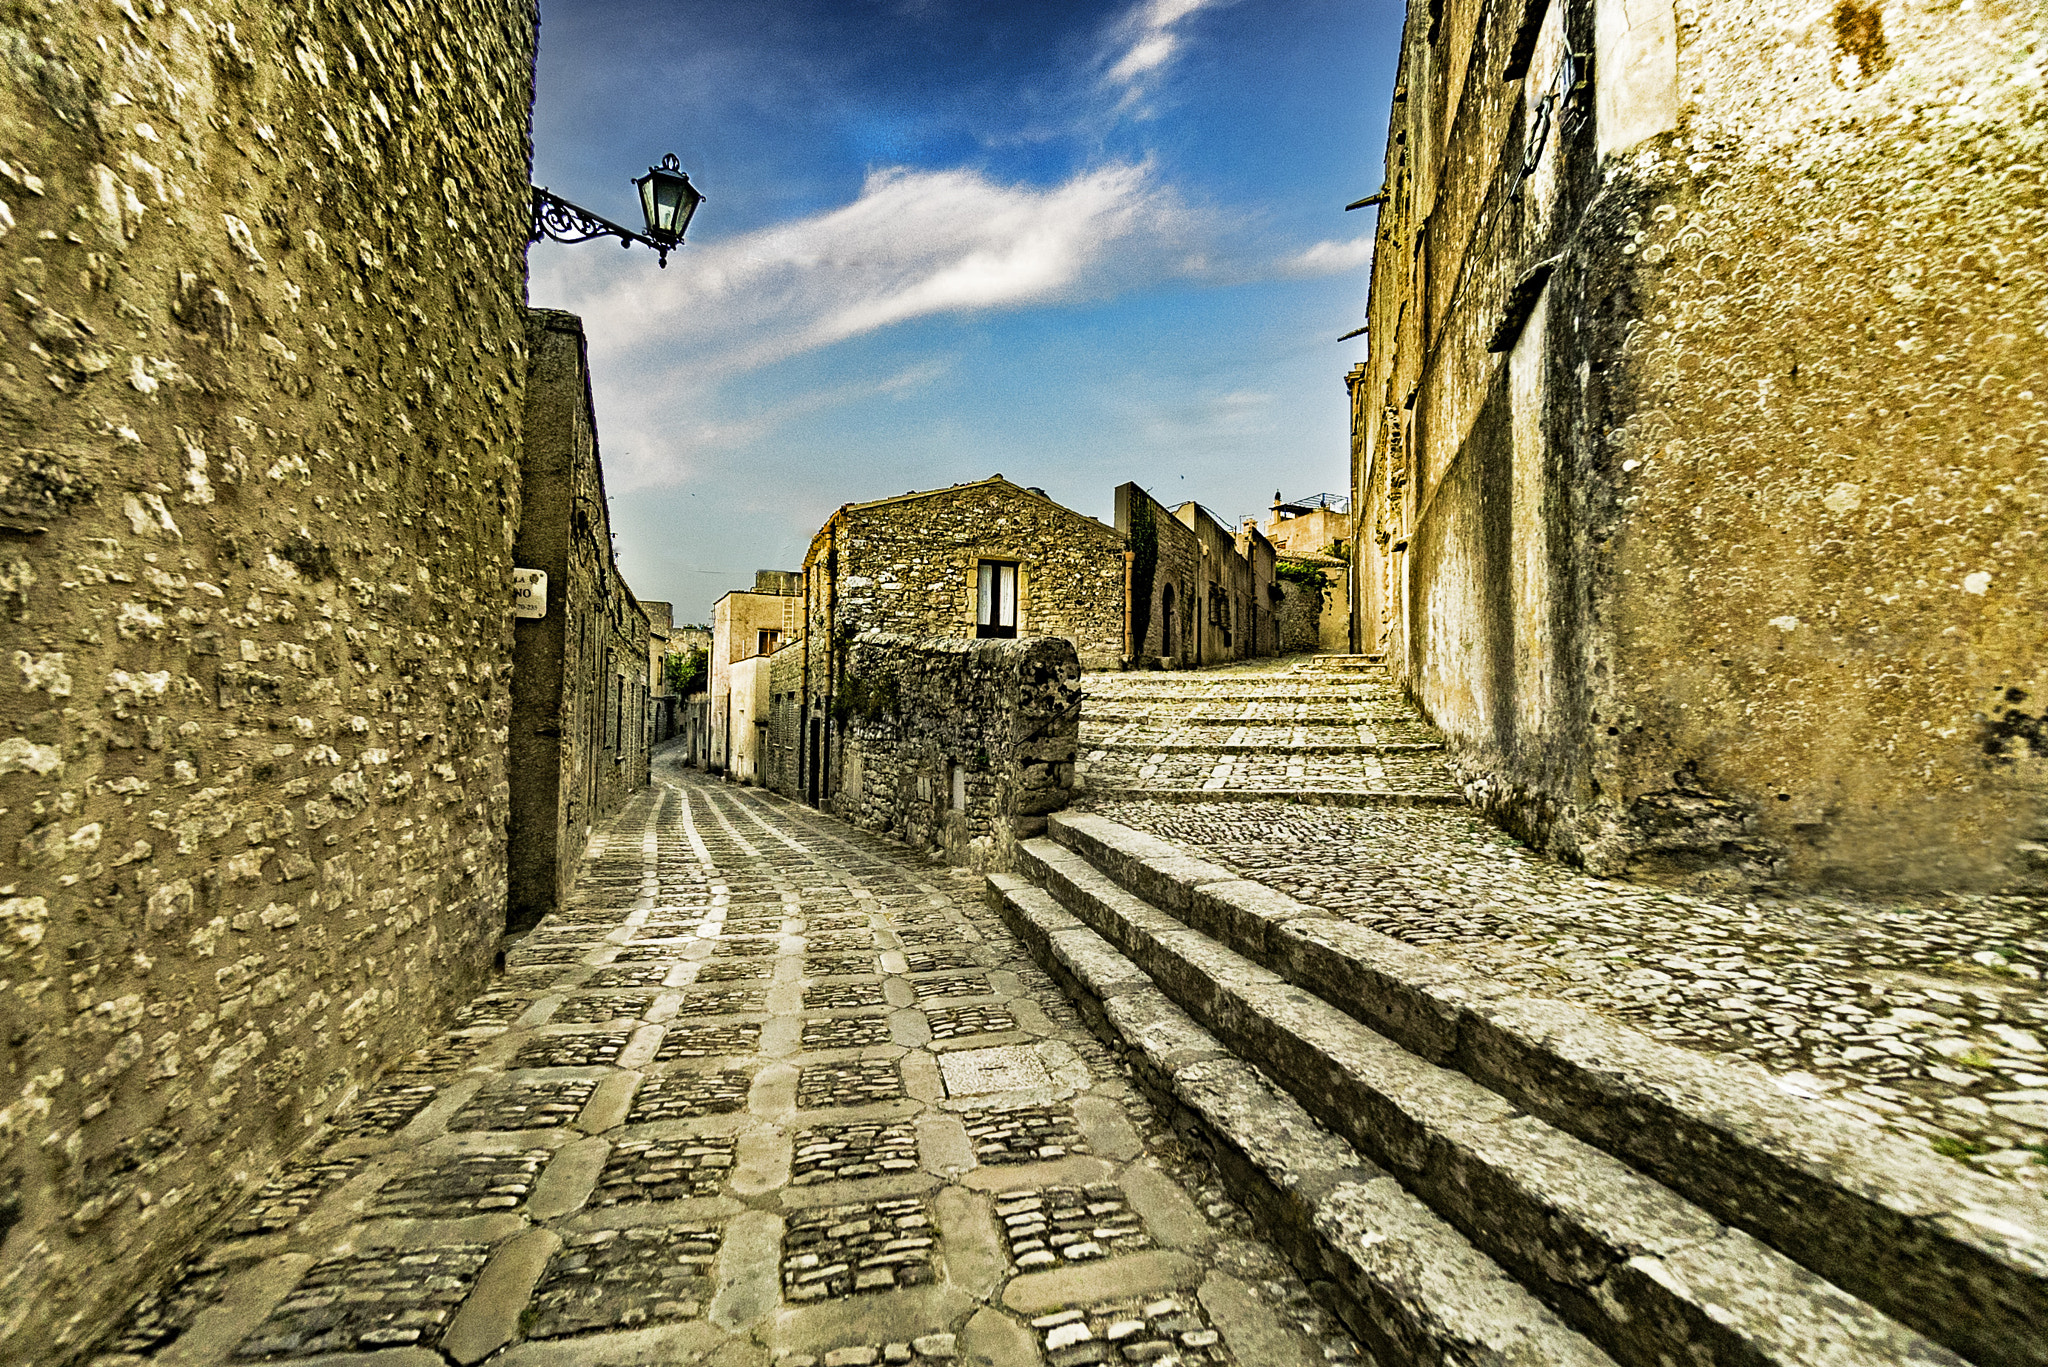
1076,243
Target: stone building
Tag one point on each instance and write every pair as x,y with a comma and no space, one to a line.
581,716
987,560
1697,456
1198,593
261,400
1312,539
746,625
1317,526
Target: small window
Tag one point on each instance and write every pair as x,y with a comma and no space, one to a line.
996,602
767,642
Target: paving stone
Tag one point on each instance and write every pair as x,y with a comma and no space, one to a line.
284,1199
845,1032
935,935
449,1054
624,1278
750,925
469,1184
498,1008
593,1008
701,1000
1005,1068
1050,1226
842,1250
852,1083
630,975
852,926
686,1095
737,971
819,941
748,948
959,985
665,1169
525,1105
580,1049
667,928
362,1301
709,1041
1161,1330
840,965
841,996
1023,1134
168,1311
940,960
569,953
952,1022
652,952
834,1153
385,1110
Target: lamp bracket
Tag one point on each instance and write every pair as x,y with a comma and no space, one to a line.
559,220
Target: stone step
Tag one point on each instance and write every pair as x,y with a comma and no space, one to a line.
1956,1256
1310,747
1312,797
1644,1274
1408,1285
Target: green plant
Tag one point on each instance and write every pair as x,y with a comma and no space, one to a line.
1308,576
1948,1146
688,672
869,700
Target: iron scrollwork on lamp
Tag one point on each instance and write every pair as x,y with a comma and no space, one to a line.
667,201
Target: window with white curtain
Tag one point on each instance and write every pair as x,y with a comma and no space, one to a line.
996,599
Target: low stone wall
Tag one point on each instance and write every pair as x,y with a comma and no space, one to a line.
960,746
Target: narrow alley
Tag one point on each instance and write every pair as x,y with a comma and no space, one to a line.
769,1089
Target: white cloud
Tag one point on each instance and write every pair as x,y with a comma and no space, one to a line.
1329,258
1145,42
914,244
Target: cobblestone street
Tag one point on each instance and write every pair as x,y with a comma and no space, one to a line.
1926,1016
769,1090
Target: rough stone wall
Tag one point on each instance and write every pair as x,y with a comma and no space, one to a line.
908,566
960,746
785,719
1171,587
1725,558
261,401
578,735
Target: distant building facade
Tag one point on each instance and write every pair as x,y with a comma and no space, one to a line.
746,625
989,559
1312,539
581,717
1199,593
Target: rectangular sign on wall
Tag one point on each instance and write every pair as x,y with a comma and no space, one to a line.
529,593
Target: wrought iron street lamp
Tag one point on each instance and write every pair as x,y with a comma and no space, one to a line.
667,200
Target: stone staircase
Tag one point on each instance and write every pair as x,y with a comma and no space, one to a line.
1330,729
1468,1174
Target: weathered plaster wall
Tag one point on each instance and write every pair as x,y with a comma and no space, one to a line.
260,393
960,746
1703,467
737,621
579,693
